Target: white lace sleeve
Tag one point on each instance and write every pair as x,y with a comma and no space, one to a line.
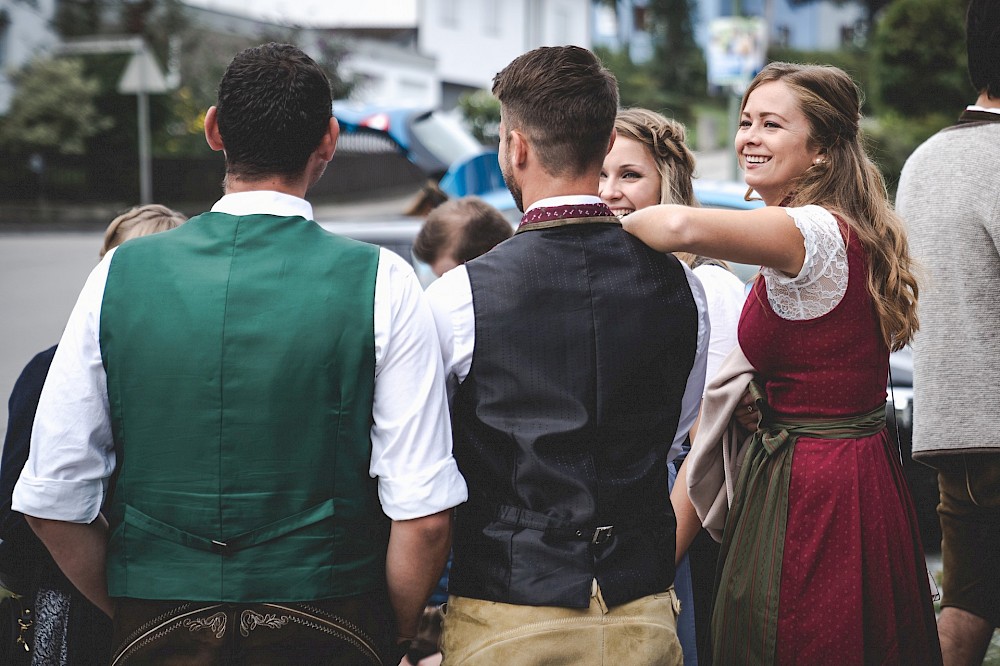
822,282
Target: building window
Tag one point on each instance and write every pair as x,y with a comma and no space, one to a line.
853,34
782,36
639,18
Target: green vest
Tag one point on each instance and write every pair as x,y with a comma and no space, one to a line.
240,359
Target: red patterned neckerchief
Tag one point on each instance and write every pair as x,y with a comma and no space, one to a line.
547,216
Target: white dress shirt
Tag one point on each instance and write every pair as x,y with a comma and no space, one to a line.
450,297
72,453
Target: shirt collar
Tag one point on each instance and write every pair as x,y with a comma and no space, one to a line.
566,200
984,109
263,202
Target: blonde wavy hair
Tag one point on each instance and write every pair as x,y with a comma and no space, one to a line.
140,221
664,138
846,181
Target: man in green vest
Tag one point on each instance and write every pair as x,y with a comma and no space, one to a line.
242,452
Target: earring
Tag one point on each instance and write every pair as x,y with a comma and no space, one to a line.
818,161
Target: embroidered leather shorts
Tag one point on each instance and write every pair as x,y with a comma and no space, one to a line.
355,631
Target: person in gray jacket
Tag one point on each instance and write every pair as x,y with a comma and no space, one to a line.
949,196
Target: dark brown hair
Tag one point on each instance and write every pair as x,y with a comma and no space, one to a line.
274,107
982,43
564,101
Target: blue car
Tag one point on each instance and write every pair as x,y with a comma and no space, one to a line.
437,144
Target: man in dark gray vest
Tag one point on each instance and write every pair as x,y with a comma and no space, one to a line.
270,400
576,356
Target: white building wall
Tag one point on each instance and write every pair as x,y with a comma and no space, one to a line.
392,76
474,39
832,21
27,34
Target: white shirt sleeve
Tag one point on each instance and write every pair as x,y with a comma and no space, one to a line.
411,435
822,282
695,387
450,297
725,294
72,453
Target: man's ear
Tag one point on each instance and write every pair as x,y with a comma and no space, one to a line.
328,144
517,148
614,135
212,135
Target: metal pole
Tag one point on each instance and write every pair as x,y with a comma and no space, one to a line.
145,161
734,122
734,110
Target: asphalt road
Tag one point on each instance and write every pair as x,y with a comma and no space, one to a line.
40,277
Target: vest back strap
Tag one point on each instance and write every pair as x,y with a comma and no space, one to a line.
533,520
233,544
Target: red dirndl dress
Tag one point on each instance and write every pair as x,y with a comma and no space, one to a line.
853,579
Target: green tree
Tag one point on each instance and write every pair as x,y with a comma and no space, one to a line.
678,65
636,83
482,112
332,53
155,20
673,81
919,57
53,109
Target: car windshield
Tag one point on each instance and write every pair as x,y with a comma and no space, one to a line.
444,137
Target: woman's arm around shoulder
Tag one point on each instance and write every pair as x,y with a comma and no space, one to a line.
765,236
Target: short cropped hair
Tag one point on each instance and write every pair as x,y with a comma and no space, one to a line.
140,221
982,42
565,101
464,228
273,109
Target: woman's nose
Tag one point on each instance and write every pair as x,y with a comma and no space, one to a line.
748,135
609,189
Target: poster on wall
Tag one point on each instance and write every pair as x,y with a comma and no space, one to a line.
737,47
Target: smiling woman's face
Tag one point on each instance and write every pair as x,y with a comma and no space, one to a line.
772,141
629,179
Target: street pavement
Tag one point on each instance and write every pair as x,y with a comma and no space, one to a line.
40,277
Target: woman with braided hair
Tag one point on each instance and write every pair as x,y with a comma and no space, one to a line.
651,164
821,558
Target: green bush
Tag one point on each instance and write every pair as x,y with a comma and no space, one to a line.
892,137
482,112
918,57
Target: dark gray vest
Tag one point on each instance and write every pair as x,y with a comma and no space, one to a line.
584,342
